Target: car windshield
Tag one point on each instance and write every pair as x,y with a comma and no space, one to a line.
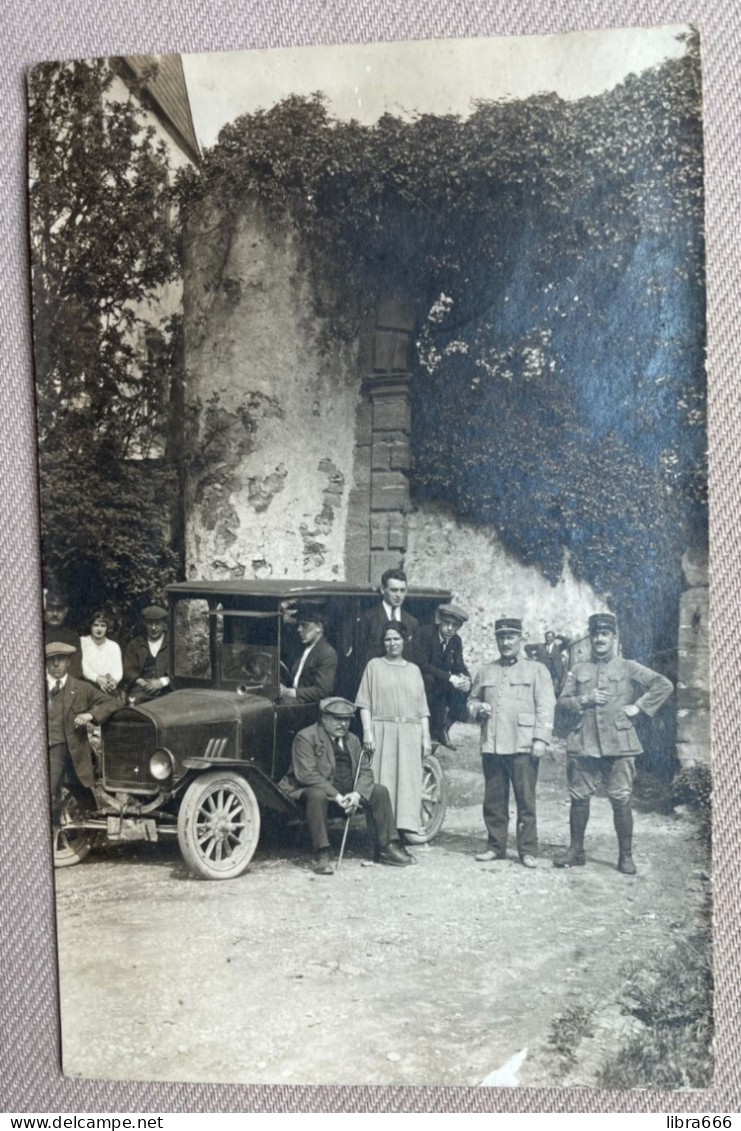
247,644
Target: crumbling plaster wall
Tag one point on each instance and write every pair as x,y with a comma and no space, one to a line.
489,582
270,460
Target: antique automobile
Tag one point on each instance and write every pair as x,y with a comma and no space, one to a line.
201,762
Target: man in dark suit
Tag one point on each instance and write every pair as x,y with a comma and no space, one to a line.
313,674
549,654
56,629
373,621
146,661
327,769
71,705
439,654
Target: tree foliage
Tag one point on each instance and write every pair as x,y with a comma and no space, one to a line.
102,246
554,250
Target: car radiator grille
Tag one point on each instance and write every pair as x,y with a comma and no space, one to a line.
128,742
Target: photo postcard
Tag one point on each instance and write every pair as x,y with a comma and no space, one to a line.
372,449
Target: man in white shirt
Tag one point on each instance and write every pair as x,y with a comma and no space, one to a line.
374,620
313,674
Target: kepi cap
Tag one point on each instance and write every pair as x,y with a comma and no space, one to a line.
454,611
59,648
602,620
340,708
154,612
508,624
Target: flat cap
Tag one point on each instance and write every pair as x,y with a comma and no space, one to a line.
453,611
602,620
313,614
59,648
340,708
508,624
154,612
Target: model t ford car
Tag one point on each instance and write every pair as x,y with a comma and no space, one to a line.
201,762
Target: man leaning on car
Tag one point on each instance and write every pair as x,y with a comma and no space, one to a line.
325,770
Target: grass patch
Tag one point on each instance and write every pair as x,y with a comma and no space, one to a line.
568,1030
673,998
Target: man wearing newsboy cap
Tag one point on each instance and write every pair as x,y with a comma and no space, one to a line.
147,658
71,704
601,697
439,654
513,699
327,769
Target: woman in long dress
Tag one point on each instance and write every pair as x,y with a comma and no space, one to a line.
396,725
101,658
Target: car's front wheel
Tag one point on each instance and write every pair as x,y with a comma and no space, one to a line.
72,842
218,825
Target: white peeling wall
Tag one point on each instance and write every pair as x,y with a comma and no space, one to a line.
267,492
490,583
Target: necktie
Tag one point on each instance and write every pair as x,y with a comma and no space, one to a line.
56,689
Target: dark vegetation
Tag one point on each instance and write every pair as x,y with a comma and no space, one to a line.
102,246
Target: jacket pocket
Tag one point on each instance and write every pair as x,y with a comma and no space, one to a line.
525,720
622,722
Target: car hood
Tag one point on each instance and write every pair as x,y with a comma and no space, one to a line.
193,705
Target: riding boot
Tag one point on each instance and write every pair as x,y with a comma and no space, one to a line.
623,818
574,856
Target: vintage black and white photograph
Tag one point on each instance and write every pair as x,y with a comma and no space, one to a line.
371,407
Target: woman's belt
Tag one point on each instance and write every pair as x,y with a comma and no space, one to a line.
393,719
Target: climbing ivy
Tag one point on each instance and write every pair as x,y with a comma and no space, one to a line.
554,251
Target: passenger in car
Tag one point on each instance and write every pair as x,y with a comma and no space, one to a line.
313,674
327,768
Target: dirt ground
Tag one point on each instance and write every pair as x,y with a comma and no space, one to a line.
435,974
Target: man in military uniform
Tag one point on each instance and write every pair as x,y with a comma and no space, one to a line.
324,771
513,699
602,699
439,654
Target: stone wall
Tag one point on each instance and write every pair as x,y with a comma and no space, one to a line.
489,582
693,688
271,457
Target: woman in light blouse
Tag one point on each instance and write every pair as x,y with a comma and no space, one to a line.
101,658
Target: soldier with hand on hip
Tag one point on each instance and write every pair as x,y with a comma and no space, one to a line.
603,695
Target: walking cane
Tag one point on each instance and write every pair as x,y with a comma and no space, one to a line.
363,753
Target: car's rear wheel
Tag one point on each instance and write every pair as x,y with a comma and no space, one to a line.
219,825
434,801
72,843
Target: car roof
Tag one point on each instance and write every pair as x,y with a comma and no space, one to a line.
289,588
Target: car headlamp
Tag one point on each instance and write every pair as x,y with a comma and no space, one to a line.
161,764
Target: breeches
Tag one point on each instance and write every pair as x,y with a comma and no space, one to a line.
584,775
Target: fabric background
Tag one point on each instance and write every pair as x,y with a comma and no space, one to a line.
30,1075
